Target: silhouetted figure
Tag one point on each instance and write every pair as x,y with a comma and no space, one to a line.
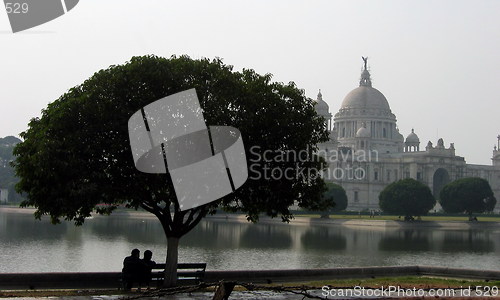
132,268
147,266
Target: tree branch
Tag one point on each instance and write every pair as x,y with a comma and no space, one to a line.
151,209
192,212
202,213
150,205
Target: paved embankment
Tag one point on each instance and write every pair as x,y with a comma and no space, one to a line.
26,281
364,223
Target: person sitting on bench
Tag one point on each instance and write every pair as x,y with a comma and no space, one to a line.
147,266
132,267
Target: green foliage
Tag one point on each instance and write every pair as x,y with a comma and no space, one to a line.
490,203
77,154
407,197
333,199
470,195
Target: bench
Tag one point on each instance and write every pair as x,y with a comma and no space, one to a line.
187,273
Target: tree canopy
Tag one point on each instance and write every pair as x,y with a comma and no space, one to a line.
334,199
77,154
469,195
407,197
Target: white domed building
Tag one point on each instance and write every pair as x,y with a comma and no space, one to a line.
366,107
366,151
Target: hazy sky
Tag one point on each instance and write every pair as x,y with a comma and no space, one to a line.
437,62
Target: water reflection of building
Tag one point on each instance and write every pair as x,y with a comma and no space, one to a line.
366,151
4,195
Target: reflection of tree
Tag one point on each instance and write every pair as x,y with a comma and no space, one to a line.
405,240
323,238
467,241
21,227
135,230
266,236
214,235
8,178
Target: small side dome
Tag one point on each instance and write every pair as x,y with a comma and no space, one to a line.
320,103
412,137
321,106
363,132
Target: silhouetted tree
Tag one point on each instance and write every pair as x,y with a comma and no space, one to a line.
77,154
407,197
469,195
334,199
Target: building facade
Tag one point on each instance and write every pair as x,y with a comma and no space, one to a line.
366,151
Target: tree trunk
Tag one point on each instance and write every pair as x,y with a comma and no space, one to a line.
171,263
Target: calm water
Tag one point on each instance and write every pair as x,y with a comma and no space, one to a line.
27,245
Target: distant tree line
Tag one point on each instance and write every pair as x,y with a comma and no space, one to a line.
467,195
411,198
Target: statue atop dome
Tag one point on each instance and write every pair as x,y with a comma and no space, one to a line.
365,75
365,59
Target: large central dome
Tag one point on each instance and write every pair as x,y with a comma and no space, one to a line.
365,121
365,96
